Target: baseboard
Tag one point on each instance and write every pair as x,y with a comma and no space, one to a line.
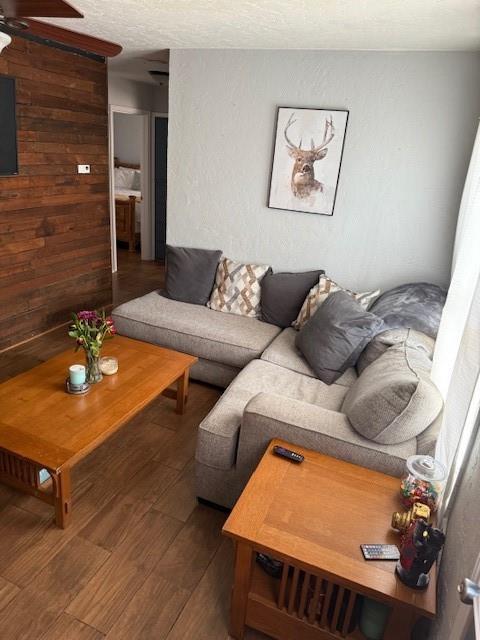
107,308
213,505
34,337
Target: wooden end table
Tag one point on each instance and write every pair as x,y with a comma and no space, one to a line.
43,427
313,517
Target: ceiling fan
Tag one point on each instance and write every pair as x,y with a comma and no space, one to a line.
19,15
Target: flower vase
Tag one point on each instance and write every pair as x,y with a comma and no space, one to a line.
94,374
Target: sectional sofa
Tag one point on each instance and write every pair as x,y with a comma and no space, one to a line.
271,391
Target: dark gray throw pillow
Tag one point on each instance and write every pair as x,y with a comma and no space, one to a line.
190,274
333,339
418,306
283,295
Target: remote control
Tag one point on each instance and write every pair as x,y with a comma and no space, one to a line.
380,551
293,456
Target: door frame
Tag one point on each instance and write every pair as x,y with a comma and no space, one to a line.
155,114
147,221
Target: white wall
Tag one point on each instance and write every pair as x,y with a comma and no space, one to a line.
410,133
128,93
128,137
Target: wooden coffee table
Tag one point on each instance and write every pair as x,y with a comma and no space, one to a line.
43,427
313,517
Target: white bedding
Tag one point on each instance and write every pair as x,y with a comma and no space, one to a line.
125,179
125,193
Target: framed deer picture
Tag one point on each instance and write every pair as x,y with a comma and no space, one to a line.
306,159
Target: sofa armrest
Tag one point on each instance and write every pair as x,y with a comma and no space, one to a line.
269,416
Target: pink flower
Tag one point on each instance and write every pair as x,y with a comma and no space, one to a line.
87,316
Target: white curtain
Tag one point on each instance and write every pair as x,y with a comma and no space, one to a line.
456,362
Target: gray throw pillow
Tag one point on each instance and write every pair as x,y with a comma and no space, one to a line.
283,295
418,306
394,399
333,339
190,274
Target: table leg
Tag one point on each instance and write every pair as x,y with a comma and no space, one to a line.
182,392
63,498
241,587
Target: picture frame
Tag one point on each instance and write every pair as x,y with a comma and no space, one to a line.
304,177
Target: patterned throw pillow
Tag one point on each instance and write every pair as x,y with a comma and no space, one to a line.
320,292
237,288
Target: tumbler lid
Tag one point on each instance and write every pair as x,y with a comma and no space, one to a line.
426,468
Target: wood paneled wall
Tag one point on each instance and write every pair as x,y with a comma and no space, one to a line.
54,223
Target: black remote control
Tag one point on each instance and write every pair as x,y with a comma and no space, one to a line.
293,456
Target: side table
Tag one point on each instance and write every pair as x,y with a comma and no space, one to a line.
313,517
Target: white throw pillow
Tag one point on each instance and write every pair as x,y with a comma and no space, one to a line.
320,292
237,288
136,183
124,177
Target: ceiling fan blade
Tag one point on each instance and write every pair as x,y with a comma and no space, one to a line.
38,8
73,38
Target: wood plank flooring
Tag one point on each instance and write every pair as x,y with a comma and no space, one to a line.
141,560
134,276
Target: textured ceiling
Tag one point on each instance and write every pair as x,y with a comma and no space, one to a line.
143,27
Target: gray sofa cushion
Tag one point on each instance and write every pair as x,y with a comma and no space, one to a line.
386,339
270,416
221,337
190,274
333,339
220,375
394,399
282,351
218,432
416,306
283,295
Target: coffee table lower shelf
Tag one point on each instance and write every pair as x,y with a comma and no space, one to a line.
305,605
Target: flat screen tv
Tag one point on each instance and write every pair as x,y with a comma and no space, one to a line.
8,128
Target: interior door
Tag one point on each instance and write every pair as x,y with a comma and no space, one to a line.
161,138
466,625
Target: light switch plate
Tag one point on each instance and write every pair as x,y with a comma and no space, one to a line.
83,168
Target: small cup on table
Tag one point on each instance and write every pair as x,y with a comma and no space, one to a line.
77,375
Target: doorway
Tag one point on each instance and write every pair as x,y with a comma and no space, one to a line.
131,218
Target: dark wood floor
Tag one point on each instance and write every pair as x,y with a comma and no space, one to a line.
135,277
141,560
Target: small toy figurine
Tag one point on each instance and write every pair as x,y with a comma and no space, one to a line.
401,520
420,548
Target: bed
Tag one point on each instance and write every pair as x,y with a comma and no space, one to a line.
128,203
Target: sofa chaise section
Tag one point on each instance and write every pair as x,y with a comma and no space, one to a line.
223,342
267,401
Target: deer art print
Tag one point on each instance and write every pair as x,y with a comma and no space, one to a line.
303,182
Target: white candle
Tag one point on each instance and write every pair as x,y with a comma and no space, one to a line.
108,365
77,374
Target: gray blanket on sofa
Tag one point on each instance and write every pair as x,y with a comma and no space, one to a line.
414,306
